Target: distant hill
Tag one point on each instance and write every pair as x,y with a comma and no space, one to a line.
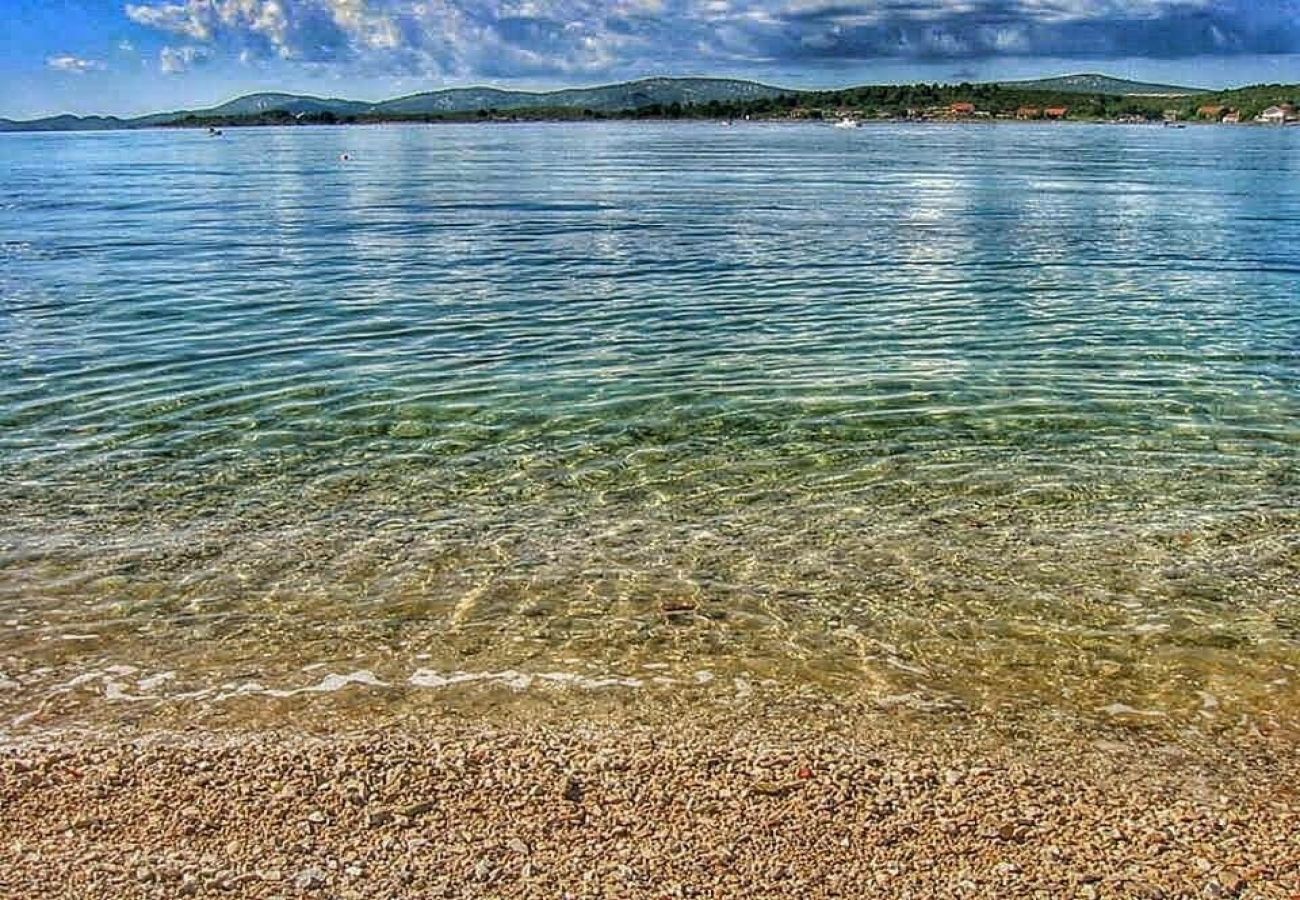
1102,84
65,123
690,96
294,104
607,98
610,98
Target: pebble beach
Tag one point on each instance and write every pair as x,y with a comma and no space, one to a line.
608,810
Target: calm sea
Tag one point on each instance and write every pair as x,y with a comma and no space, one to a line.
984,419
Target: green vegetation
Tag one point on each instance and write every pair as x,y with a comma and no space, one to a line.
705,98
937,100
869,101
277,117
1093,83
1250,101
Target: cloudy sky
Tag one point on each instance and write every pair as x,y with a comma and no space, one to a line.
145,55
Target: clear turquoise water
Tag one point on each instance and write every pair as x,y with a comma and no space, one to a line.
979,418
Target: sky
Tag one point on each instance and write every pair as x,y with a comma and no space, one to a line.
126,58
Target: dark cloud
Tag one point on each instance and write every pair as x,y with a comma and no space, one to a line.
925,31
539,37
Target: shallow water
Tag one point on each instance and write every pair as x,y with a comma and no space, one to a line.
980,419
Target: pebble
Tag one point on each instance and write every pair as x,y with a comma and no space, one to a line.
641,811
1234,884
417,809
309,880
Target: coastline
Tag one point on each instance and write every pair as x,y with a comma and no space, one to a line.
888,533
602,808
1088,98
824,122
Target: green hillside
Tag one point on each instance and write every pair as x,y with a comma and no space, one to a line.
278,108
994,100
256,104
606,98
1110,99
1092,83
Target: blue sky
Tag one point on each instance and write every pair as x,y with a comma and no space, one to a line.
123,58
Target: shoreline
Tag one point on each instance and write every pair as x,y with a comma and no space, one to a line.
1086,96
620,809
827,122
652,512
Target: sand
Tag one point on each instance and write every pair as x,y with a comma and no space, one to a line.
680,810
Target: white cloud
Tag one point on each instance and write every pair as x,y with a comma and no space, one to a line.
446,36
175,60
192,19
503,38
74,64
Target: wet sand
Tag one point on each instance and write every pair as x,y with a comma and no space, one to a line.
692,809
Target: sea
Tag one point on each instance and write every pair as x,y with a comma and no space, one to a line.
987,421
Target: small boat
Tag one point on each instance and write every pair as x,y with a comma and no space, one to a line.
848,122
214,132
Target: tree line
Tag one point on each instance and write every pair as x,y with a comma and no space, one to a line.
867,101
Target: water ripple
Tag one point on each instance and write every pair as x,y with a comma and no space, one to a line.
1011,415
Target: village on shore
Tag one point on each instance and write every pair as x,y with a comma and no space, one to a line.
1283,114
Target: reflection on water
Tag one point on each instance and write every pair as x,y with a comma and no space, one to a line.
987,420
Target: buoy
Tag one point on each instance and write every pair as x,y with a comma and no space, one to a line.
344,157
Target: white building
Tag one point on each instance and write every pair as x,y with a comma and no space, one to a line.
1277,115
